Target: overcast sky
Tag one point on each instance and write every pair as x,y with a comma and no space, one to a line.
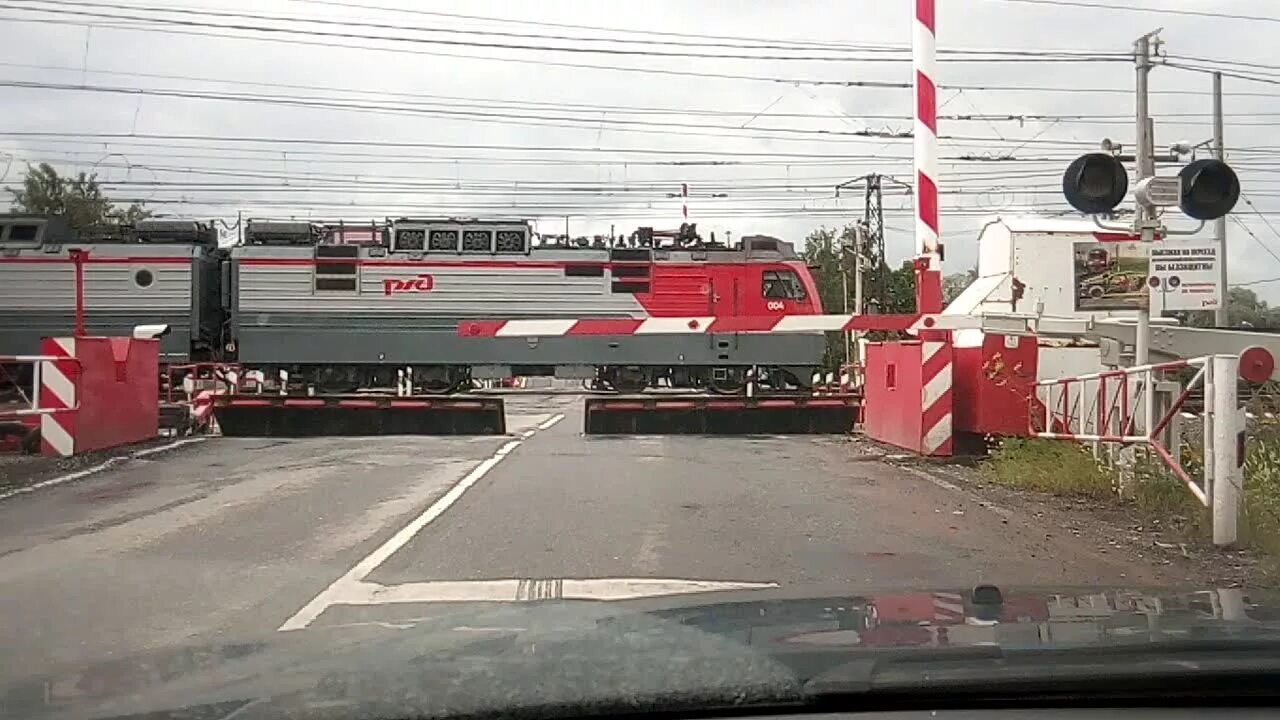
443,121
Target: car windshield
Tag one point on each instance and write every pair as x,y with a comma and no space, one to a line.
452,359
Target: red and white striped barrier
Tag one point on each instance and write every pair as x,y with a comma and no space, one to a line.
935,399
57,392
710,324
924,60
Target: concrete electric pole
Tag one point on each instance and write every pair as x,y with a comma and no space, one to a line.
1145,219
1220,225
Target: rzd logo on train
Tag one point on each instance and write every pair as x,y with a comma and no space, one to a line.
420,284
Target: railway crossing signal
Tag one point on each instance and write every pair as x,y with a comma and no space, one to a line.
1210,189
1097,182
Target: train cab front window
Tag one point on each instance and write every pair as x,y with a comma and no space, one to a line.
782,285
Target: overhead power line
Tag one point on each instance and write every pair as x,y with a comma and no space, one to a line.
1144,9
1226,73
817,82
369,46
60,8
646,33
509,118
468,102
953,140
647,39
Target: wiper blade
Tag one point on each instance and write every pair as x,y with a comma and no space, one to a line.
990,669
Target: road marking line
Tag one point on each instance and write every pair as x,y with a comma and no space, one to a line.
351,581
952,487
104,465
608,589
360,570
162,448
546,424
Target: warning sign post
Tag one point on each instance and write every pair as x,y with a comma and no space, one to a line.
1184,272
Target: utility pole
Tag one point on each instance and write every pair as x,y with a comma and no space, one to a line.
859,247
1220,225
873,224
851,260
1145,220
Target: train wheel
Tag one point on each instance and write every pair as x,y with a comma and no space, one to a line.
777,379
627,379
727,381
333,380
440,379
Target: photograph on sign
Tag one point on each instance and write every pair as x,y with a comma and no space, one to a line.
1110,275
1184,274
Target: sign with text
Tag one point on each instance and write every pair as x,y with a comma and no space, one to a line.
1184,273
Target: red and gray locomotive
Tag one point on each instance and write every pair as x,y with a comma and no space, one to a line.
337,307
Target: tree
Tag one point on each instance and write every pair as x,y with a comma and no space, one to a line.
79,199
1244,309
827,255
955,283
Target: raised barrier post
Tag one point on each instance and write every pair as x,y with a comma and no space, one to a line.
1228,450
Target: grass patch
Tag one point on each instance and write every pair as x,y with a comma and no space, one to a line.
1069,469
1158,495
1051,466
1260,525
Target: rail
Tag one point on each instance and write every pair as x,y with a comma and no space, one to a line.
1127,407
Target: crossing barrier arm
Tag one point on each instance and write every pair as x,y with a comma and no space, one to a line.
33,399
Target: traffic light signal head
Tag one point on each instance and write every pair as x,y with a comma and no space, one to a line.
1210,189
1095,183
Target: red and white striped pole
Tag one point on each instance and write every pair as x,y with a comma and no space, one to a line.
928,247
936,371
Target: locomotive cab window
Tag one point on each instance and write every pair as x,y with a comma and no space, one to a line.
782,285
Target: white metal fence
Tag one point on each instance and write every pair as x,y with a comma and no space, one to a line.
1140,406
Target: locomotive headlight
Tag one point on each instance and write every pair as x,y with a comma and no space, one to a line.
150,332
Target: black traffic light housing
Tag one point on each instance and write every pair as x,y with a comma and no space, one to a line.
1095,183
1210,189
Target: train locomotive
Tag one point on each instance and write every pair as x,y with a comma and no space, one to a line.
341,307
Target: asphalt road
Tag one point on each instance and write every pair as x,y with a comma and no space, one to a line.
234,538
